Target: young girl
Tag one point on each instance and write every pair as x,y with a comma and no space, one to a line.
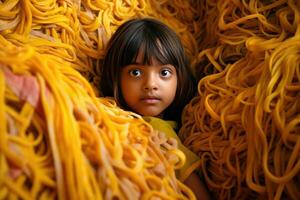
146,70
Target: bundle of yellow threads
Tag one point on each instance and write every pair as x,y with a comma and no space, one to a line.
78,31
244,124
245,121
59,141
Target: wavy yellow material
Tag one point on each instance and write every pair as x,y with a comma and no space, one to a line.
87,25
245,122
72,145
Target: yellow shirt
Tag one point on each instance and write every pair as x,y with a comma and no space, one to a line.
192,160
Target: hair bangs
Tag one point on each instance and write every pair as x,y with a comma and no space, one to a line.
152,49
131,48
148,45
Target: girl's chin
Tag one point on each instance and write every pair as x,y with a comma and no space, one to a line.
151,114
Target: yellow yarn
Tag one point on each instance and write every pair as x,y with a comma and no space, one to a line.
59,141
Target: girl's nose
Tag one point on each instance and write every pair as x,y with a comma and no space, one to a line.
150,82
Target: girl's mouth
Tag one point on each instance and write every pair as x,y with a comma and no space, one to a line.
150,99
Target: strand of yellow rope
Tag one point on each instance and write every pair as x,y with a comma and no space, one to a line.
59,141
245,122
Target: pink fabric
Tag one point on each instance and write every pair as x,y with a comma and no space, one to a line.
24,86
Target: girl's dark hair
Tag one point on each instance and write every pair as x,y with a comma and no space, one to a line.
157,41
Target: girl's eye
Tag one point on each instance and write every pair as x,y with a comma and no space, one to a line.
165,73
135,72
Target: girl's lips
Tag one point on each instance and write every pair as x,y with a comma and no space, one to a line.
150,100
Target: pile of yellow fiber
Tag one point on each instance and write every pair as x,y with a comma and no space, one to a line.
78,31
59,141
245,121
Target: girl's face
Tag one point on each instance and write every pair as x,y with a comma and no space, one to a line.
148,89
